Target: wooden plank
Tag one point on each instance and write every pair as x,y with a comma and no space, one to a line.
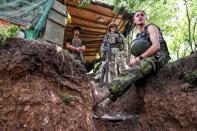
57,17
94,8
87,23
87,30
87,14
91,46
69,30
84,35
54,33
60,8
90,49
93,41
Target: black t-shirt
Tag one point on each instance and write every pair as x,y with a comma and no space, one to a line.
76,43
71,39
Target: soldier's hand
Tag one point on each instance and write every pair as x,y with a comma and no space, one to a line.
78,49
132,62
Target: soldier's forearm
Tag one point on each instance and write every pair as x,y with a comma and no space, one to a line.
69,46
82,48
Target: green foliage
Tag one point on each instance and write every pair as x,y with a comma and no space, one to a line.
67,99
84,3
171,17
11,31
128,5
190,76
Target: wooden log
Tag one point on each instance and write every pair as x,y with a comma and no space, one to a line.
95,8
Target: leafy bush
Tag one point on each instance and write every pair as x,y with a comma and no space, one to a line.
11,31
190,77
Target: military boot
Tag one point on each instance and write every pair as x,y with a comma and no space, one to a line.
100,96
105,103
101,108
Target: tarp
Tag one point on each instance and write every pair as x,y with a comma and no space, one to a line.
30,13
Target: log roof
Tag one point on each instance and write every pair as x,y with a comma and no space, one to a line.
94,21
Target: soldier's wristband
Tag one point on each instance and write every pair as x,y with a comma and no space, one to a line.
141,57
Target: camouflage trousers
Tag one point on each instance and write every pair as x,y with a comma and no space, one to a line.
121,84
117,61
117,64
78,57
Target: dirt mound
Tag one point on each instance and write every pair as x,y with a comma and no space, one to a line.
41,88
165,101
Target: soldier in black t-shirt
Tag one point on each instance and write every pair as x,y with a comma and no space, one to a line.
75,45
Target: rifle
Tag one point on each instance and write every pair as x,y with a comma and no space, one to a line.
105,70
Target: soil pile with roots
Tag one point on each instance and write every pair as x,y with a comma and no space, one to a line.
42,88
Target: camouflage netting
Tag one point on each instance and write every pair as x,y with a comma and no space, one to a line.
31,14
25,12
41,88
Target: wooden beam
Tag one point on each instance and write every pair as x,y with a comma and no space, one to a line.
68,31
95,8
93,46
88,14
85,35
86,30
76,20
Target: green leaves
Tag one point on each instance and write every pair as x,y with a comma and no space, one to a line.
84,3
171,17
11,31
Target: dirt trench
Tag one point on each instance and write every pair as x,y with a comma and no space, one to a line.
163,101
42,88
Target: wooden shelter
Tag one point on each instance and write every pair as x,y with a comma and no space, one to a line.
94,21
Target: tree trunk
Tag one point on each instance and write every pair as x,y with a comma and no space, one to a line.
194,29
189,25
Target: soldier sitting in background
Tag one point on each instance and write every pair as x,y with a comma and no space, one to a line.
75,45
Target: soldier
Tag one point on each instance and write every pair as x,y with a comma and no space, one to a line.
75,45
115,49
150,53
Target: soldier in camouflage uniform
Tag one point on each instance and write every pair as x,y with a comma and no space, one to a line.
75,45
117,53
150,53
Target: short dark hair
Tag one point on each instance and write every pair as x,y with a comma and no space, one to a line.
139,11
76,28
